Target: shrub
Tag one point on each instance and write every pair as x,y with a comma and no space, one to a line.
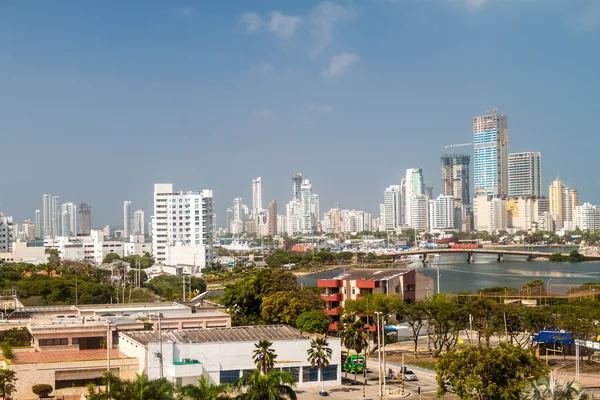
42,390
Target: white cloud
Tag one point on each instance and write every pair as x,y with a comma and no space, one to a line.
283,25
264,113
591,18
323,19
319,108
262,69
185,12
339,65
252,20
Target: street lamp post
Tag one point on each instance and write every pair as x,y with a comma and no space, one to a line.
377,314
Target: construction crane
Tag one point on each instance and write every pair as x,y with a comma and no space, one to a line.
493,110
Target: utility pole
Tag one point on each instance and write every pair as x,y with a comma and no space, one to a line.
377,314
438,279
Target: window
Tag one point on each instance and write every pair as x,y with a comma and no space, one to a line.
293,371
229,376
54,342
310,374
330,373
247,372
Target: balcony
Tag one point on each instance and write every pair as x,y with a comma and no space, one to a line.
365,284
333,311
329,283
180,369
332,297
334,326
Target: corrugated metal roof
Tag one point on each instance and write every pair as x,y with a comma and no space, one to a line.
370,274
235,334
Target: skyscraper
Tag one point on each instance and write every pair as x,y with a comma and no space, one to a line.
570,201
73,224
556,199
256,197
66,223
38,225
415,187
392,208
126,219
138,222
306,222
441,212
56,216
194,223
525,174
296,186
455,178
85,219
490,154
46,208
272,218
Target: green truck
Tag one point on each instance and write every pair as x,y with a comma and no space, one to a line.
354,363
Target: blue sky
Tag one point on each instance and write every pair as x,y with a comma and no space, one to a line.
99,100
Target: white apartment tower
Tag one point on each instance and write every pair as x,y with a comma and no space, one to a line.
6,233
441,212
587,217
181,218
56,216
66,223
415,188
126,219
490,153
38,225
256,197
73,219
392,208
525,174
47,210
138,222
306,200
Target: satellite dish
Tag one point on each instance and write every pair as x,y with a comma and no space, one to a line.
200,296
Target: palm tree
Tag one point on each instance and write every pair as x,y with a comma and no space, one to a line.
353,336
264,356
319,354
205,391
142,388
549,388
274,385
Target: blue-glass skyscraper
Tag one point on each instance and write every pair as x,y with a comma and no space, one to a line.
490,153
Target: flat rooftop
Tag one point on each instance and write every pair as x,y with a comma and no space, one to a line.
65,356
220,335
370,274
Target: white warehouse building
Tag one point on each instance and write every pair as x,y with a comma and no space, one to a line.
223,355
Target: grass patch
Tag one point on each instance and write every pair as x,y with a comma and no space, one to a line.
424,362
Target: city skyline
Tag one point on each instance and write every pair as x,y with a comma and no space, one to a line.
410,104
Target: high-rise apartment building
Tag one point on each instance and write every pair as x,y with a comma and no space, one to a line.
126,219
556,200
392,208
272,218
85,219
307,220
455,178
296,186
38,225
6,233
563,201
47,210
181,218
419,212
587,217
315,209
570,201
56,216
490,154
256,197
138,222
73,223
66,223
525,174
415,188
441,212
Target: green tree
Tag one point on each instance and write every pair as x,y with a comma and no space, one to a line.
275,385
7,351
264,356
53,260
42,390
204,390
488,318
244,297
8,378
319,355
16,336
447,318
549,388
481,373
353,336
534,284
285,307
314,321
110,257
170,287
142,388
416,316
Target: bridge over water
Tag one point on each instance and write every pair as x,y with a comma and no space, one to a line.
499,252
